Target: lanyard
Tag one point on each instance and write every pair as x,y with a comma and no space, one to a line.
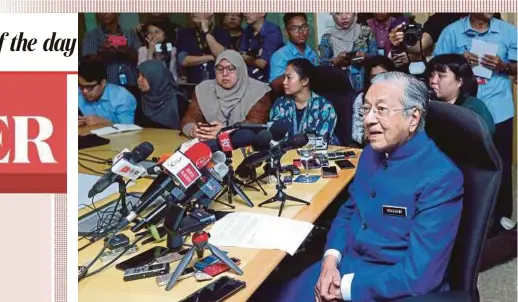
298,128
202,40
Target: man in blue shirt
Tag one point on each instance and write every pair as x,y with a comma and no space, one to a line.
495,92
198,47
393,237
297,28
260,40
102,103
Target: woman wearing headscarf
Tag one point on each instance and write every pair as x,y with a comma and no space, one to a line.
158,106
347,46
231,98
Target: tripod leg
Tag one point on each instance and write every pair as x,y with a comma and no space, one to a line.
283,202
288,197
271,200
242,194
225,204
261,187
246,185
220,194
224,258
179,269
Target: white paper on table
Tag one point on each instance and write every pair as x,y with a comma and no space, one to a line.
481,48
85,183
252,230
116,128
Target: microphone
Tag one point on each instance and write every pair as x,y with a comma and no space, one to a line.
228,141
279,129
244,125
156,169
293,142
186,167
125,165
180,167
206,185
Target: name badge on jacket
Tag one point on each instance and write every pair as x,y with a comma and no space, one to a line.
394,211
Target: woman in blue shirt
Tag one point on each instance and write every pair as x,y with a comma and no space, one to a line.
306,111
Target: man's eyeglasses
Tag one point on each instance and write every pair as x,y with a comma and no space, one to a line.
88,88
380,110
231,69
303,28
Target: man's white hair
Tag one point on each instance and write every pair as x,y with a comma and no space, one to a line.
415,92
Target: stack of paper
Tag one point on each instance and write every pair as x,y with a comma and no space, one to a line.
116,128
481,48
251,230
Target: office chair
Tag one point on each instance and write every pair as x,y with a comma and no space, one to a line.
462,135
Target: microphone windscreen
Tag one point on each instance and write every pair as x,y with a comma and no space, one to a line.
299,140
219,157
262,141
279,129
242,138
200,154
142,151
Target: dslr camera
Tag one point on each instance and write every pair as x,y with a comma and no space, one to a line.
412,32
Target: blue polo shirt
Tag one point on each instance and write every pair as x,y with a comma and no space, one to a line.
116,105
265,43
288,52
496,92
188,45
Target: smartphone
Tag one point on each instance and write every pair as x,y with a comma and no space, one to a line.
329,172
117,40
163,279
344,164
203,263
288,180
205,125
216,291
79,112
143,258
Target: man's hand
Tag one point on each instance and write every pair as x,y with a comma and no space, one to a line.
328,284
93,120
396,35
204,132
493,62
471,58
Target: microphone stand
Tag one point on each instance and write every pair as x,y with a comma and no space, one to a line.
255,180
280,195
122,200
232,185
200,240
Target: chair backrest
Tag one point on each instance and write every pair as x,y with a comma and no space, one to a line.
333,84
462,135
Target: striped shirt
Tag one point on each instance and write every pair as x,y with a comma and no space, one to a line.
93,41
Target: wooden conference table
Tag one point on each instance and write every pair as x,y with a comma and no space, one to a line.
257,264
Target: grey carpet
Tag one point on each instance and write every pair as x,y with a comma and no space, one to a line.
498,284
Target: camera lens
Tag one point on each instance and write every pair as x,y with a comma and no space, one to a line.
410,38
